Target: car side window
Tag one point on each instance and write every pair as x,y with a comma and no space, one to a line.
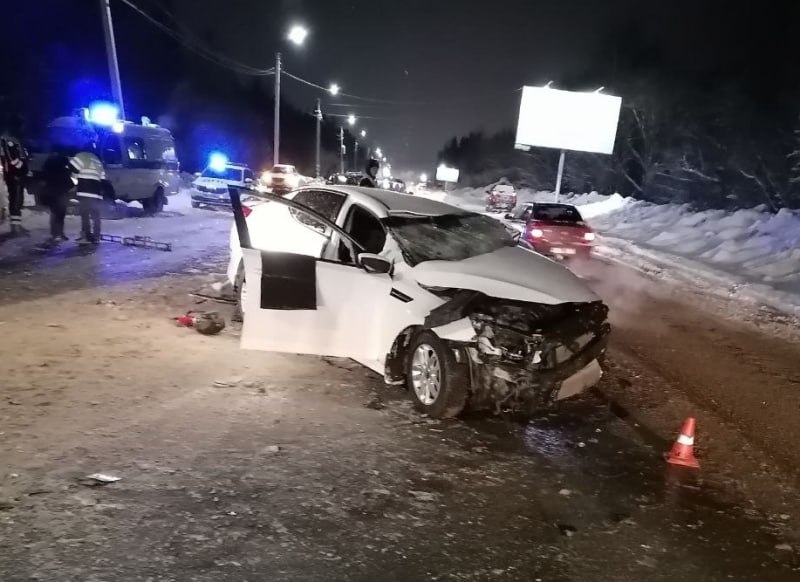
366,229
327,204
135,148
248,175
112,153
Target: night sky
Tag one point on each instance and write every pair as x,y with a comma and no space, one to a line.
464,59
458,62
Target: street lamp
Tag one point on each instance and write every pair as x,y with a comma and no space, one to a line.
333,89
378,153
351,119
363,133
423,177
297,35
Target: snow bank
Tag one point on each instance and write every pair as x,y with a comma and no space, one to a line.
755,251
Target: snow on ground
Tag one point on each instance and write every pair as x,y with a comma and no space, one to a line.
749,254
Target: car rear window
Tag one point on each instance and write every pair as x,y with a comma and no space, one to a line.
556,213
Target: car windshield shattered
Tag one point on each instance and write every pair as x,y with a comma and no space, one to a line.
450,237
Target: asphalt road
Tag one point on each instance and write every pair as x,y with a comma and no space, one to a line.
245,466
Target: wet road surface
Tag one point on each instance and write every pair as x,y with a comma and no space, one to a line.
245,466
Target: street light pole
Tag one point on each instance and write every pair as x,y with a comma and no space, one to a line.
277,128
341,150
560,174
111,54
318,115
355,156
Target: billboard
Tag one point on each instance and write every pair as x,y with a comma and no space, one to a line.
445,174
567,120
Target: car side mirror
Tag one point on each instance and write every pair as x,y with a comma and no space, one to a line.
248,181
197,174
375,263
508,216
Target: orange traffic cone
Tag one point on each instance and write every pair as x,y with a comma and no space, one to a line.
682,452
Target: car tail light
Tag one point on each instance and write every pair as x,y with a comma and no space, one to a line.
536,232
588,236
246,210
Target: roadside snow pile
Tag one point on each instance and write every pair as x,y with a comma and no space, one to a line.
750,247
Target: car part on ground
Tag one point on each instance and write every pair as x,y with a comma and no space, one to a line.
137,241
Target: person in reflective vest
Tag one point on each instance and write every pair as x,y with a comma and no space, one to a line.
89,192
14,159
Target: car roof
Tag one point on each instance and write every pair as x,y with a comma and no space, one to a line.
562,204
387,202
236,166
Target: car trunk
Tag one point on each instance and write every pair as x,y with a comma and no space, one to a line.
560,233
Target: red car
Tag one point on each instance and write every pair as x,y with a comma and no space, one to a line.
555,230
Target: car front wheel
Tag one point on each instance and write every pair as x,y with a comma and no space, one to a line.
438,384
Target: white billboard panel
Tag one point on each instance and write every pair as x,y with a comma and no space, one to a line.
567,120
445,174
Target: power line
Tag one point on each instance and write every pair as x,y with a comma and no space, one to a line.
195,45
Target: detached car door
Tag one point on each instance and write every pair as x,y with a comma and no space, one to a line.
302,304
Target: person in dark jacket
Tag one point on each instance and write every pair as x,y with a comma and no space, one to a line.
14,159
371,178
58,181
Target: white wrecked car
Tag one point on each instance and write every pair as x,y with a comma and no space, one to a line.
430,296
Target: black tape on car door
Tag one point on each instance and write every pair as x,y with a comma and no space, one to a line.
288,281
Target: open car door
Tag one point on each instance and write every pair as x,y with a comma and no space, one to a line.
301,304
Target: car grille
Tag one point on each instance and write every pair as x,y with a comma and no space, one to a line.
212,190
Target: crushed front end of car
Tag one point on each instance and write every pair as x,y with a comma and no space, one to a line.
523,356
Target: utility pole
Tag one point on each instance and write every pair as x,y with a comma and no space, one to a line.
355,156
560,173
111,54
277,129
369,152
318,115
341,150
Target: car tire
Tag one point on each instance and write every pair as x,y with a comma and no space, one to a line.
439,386
155,203
195,204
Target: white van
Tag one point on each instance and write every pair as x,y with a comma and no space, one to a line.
140,160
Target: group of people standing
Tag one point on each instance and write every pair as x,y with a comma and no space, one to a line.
62,171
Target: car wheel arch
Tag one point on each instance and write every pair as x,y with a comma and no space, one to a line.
397,357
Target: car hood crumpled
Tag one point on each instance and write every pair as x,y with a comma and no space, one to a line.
508,273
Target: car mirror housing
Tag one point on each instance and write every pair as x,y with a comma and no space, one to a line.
508,216
372,263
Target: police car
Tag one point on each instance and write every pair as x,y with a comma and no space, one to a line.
210,188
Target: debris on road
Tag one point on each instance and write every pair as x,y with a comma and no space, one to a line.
99,480
205,322
137,241
272,449
567,530
784,548
423,496
565,492
223,300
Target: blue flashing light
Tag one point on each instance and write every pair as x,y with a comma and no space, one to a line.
217,162
103,113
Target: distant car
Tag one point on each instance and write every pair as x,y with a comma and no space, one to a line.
210,188
431,296
555,230
501,197
281,179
